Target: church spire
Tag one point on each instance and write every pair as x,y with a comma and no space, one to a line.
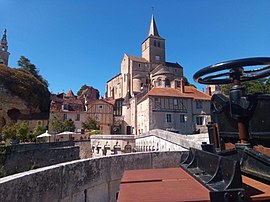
4,54
4,38
153,28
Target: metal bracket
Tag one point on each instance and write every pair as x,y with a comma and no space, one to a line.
221,175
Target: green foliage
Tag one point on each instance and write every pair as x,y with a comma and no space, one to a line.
94,132
22,130
38,130
26,86
257,86
18,131
58,124
91,123
82,89
69,125
9,132
26,65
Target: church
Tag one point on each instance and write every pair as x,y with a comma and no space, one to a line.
146,79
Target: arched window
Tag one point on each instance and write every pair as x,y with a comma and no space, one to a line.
167,83
159,82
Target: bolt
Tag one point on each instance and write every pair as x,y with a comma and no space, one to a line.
227,196
241,195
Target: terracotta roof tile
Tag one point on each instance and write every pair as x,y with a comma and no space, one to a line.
189,92
70,94
137,59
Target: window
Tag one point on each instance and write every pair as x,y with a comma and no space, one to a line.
65,116
125,77
168,118
155,43
78,117
100,106
199,120
175,103
65,107
39,123
182,118
139,65
167,83
177,83
158,44
157,58
198,104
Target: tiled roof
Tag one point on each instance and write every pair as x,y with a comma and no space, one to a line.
70,94
189,92
137,59
170,64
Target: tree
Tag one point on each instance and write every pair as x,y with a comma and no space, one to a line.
69,125
91,123
18,131
26,65
84,87
9,132
58,124
38,130
22,130
256,86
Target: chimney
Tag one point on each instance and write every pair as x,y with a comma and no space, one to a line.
182,85
208,90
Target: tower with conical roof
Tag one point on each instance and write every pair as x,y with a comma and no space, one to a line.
4,54
153,47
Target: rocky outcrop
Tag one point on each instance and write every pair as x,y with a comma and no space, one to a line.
11,106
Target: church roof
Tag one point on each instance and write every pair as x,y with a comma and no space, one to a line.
4,38
171,64
137,59
153,28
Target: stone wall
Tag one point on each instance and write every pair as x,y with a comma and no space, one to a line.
23,157
85,148
95,179
161,140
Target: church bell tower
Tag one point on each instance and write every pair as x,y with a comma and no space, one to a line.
4,54
153,48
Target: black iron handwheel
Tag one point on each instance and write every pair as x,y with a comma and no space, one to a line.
236,68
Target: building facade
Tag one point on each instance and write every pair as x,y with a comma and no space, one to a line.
79,108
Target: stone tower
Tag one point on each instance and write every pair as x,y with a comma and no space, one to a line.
4,54
153,48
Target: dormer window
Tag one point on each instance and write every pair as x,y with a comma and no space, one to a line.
157,58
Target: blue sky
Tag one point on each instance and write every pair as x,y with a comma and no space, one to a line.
82,42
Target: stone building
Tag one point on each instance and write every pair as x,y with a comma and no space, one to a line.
173,109
4,54
79,108
152,68
149,77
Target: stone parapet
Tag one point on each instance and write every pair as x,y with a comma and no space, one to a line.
95,179
161,140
